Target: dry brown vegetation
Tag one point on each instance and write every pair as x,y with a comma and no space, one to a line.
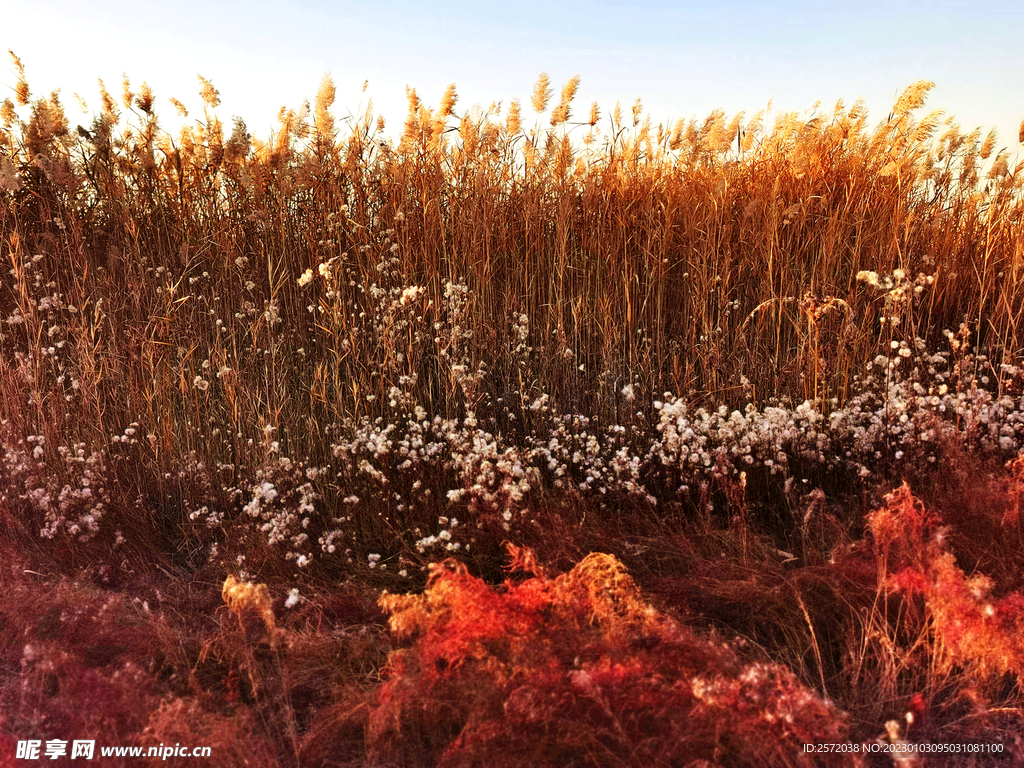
275,416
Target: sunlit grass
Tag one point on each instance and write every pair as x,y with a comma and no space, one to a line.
706,350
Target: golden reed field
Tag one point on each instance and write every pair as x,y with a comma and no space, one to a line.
540,435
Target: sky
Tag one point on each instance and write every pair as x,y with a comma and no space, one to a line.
681,59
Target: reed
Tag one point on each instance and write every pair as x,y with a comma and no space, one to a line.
710,349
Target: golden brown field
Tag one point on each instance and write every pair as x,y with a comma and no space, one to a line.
543,436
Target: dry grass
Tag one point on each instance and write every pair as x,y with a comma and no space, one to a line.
247,385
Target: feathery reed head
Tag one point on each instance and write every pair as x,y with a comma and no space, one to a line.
541,93
912,98
209,94
322,117
562,112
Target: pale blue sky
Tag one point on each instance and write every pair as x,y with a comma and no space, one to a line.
681,59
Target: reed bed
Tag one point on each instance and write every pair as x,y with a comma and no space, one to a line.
673,372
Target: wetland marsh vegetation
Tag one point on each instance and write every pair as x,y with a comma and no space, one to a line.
553,436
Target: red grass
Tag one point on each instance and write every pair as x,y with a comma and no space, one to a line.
577,670
970,627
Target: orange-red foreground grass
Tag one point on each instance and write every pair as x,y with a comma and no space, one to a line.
970,629
570,668
577,669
